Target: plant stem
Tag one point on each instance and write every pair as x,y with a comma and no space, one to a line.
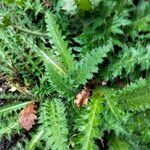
30,32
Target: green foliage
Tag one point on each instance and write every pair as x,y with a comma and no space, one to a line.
15,52
72,6
99,26
141,19
54,49
136,96
127,61
53,117
85,69
9,127
88,128
58,42
13,97
8,109
83,5
34,141
139,126
116,144
9,119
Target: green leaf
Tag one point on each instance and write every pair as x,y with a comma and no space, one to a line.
54,124
35,139
84,5
136,96
12,108
88,128
85,68
10,126
117,144
57,40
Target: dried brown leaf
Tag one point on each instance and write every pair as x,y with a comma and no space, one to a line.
47,4
83,97
27,117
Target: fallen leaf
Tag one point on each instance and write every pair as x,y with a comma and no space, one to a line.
104,83
27,117
23,90
83,97
121,84
47,4
17,87
13,88
1,90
